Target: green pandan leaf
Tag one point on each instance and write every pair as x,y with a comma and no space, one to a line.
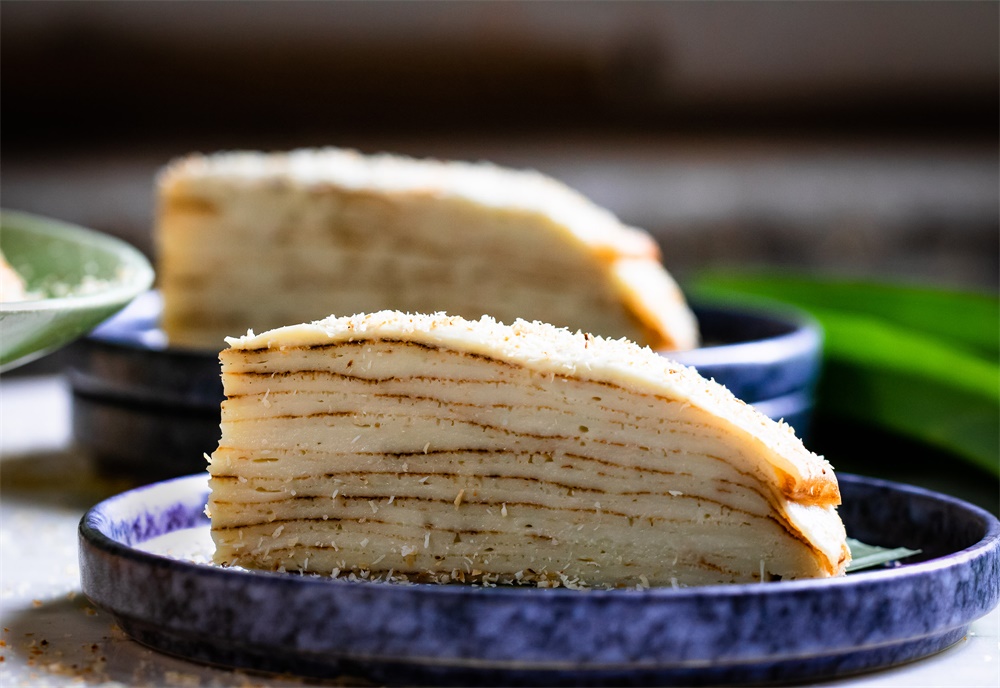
879,345
864,556
966,319
885,372
911,384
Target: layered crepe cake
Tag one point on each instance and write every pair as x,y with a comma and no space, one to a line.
434,448
254,240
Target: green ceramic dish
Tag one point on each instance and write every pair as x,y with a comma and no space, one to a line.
77,278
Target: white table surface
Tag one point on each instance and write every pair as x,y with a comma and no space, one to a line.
53,636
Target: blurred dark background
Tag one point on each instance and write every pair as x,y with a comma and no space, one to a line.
857,137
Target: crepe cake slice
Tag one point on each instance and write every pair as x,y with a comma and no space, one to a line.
443,449
255,240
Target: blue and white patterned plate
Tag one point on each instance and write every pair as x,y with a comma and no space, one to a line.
458,635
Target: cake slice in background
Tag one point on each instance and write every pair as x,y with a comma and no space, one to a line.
444,449
255,241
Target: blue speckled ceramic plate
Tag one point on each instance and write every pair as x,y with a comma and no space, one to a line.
457,635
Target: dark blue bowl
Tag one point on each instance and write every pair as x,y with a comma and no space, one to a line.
462,635
144,409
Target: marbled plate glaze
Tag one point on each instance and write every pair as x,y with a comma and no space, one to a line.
457,635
